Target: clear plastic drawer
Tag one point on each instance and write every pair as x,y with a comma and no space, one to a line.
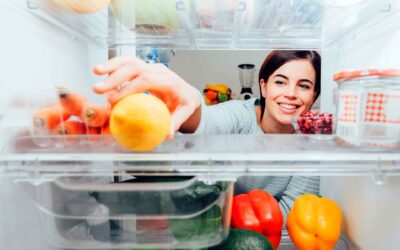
81,212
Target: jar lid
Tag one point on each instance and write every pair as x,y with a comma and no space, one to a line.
347,75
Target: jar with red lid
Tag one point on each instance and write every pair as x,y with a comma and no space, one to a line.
368,107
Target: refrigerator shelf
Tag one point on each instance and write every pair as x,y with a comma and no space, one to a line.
210,157
216,24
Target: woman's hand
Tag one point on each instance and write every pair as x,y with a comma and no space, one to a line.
127,75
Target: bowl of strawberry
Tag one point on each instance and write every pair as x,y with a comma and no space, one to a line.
313,122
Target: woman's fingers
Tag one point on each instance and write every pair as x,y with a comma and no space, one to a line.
120,70
116,63
117,79
136,85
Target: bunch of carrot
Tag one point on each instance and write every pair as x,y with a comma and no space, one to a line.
74,115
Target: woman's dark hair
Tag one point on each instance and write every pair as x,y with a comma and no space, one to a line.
277,58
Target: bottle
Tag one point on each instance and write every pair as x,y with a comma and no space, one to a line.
153,57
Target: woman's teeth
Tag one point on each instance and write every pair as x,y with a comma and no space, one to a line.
287,106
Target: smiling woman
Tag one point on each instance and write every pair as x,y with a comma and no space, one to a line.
290,82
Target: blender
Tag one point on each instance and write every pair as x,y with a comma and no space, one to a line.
246,77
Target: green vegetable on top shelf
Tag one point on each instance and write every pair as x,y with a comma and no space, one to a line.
244,239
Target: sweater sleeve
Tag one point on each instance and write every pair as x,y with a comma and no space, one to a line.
297,186
231,117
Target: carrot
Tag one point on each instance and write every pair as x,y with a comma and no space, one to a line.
71,128
152,224
105,130
71,102
50,117
95,115
93,131
92,134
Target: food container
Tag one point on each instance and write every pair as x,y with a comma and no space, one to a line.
150,212
367,107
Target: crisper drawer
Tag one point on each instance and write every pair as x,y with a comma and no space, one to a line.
99,212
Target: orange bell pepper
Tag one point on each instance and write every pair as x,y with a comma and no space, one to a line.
314,223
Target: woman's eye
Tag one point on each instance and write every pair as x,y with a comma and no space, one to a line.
279,82
304,86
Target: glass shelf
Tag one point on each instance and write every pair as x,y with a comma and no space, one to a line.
217,24
221,157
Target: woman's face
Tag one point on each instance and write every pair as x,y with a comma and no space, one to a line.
289,91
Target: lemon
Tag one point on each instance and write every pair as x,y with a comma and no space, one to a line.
140,122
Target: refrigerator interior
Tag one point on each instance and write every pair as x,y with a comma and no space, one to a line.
44,45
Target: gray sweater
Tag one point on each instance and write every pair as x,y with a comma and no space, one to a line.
239,117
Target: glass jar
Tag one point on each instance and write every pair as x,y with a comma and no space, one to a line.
368,107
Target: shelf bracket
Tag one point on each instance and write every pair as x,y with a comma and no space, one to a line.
31,5
187,24
386,8
208,177
380,176
237,23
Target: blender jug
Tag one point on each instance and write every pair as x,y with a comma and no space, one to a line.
246,77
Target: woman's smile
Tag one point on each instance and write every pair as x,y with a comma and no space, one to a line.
288,108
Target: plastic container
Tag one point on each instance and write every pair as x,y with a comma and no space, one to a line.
367,103
139,212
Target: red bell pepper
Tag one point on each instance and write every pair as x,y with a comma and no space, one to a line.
260,212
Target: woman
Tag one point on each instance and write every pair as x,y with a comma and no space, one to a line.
289,84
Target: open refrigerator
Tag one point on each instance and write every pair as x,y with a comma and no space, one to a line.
94,195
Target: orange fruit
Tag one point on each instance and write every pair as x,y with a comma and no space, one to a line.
140,122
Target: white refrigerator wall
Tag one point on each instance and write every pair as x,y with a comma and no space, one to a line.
371,211
216,66
33,55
